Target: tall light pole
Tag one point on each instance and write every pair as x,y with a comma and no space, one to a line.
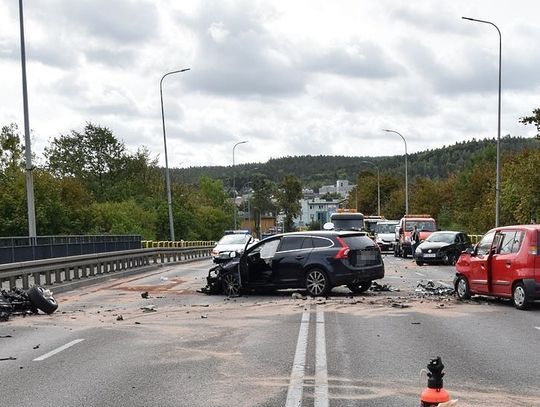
167,175
378,186
406,176
234,181
27,147
498,171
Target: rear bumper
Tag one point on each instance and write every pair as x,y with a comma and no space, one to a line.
351,276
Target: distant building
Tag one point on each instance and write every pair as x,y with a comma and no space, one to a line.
342,187
316,210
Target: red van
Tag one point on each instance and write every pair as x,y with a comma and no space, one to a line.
505,263
426,225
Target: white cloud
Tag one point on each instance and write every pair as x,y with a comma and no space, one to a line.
303,77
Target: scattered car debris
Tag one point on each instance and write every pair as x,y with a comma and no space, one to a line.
382,287
36,347
8,358
163,278
119,318
20,302
144,295
431,289
298,296
204,316
400,305
6,336
149,308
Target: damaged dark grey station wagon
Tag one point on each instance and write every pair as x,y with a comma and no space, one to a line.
315,261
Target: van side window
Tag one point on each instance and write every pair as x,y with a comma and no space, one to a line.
510,241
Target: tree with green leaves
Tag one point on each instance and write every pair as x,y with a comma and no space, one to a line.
533,119
93,156
261,201
288,197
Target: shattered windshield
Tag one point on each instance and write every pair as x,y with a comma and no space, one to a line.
234,239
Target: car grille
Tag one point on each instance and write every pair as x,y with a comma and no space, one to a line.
367,257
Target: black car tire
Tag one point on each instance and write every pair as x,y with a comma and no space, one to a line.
317,283
449,259
463,291
519,297
359,288
230,285
42,301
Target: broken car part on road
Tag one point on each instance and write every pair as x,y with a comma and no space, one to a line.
22,302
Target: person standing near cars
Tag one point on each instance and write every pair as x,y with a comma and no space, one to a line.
415,240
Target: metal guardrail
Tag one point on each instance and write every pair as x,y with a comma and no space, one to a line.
475,238
49,272
148,244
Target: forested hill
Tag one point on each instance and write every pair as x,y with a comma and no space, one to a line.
315,171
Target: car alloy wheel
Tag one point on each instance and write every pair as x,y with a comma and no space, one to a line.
462,289
231,286
316,283
519,296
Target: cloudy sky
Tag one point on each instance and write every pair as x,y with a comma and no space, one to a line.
291,77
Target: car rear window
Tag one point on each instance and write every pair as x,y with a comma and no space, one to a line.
358,241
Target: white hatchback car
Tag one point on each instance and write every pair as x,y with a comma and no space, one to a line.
233,242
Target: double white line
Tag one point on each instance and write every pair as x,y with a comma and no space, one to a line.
296,384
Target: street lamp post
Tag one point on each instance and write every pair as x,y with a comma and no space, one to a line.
378,187
27,146
498,170
167,175
406,176
234,181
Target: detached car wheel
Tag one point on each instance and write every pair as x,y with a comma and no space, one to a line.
359,288
519,297
462,288
230,285
317,283
42,299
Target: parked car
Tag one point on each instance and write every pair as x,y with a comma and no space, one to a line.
314,260
232,242
425,224
505,263
442,247
385,234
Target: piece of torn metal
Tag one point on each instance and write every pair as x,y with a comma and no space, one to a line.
430,288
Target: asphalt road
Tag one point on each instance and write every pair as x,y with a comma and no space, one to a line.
268,350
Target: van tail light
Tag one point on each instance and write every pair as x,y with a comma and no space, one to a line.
533,250
343,253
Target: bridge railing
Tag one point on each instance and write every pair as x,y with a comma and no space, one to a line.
50,272
149,244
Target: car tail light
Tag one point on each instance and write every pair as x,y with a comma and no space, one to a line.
343,253
533,250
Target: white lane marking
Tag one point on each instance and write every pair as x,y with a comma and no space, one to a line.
321,368
296,383
58,350
537,327
420,274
